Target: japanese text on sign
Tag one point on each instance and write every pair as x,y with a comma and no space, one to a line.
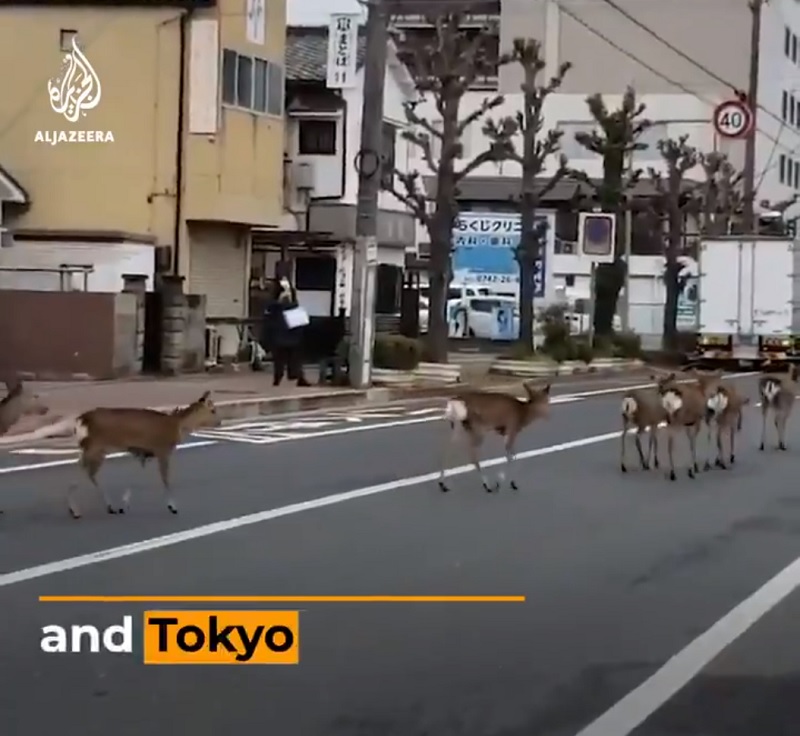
342,51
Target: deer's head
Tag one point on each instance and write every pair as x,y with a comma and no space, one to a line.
19,402
538,399
201,413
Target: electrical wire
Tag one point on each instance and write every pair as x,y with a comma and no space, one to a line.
671,81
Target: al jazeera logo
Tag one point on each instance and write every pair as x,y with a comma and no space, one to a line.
74,92
188,637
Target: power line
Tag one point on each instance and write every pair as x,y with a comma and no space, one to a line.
666,78
716,77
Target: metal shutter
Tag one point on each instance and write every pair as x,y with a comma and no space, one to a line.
218,259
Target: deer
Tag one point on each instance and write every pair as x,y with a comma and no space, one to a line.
642,409
685,405
725,406
474,413
777,393
144,434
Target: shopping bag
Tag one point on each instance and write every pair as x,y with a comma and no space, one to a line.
296,317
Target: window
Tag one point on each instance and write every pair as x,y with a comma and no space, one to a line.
785,105
569,146
314,273
650,138
792,109
65,37
794,48
229,77
797,113
797,175
787,41
252,83
244,82
389,145
260,86
317,137
275,89
569,280
782,169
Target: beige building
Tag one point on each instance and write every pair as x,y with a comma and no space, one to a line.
156,125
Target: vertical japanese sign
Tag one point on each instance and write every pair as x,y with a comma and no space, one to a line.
484,250
342,50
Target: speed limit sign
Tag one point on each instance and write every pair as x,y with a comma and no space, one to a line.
733,119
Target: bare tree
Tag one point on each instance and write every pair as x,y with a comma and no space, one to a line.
674,201
719,196
537,148
445,68
616,139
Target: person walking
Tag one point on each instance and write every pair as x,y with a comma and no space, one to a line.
284,322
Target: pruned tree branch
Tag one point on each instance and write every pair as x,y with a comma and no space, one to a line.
413,195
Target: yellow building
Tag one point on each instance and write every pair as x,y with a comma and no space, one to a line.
150,123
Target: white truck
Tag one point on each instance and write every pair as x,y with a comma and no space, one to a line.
747,297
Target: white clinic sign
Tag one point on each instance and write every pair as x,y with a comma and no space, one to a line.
342,51
72,94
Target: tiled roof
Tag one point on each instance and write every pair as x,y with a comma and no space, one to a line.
307,53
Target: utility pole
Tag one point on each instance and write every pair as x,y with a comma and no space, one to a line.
749,173
362,311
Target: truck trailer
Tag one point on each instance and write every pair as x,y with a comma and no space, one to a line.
748,303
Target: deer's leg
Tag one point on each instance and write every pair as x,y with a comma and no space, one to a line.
452,440
474,441
644,462
764,412
691,435
510,455
91,460
780,425
163,471
732,438
622,440
654,445
720,463
671,451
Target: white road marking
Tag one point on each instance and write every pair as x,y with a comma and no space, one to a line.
207,530
44,451
630,712
268,436
73,460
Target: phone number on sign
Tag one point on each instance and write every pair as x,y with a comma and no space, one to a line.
488,278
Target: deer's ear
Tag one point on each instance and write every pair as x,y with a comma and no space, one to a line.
546,389
204,398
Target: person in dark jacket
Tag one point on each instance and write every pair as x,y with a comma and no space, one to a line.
284,341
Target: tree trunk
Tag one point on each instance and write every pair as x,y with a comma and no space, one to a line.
526,257
670,331
439,281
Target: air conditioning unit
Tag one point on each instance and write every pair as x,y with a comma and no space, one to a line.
303,176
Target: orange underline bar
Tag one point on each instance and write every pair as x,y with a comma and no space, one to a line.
281,598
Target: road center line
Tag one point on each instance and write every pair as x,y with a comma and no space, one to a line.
207,530
630,712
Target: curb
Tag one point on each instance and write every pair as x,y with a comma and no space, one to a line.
534,369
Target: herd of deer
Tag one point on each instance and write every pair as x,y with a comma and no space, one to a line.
680,405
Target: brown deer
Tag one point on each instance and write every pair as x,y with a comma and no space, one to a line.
725,406
144,433
777,392
685,407
474,413
17,403
642,409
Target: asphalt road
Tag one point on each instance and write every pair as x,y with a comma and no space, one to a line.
620,573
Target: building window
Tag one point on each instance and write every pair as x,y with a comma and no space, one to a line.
260,86
65,37
276,90
569,146
650,138
782,169
794,48
229,77
787,41
317,137
792,109
785,105
797,174
797,113
252,83
388,160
